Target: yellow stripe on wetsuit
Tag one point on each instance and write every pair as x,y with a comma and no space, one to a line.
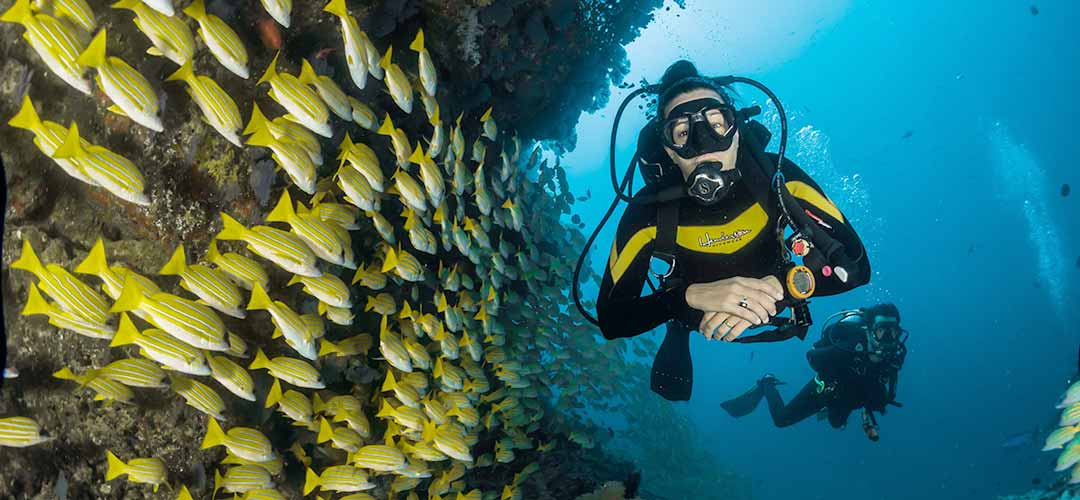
806,192
717,239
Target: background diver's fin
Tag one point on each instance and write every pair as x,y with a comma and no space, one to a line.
746,403
672,370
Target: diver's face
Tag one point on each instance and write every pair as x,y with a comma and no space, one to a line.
727,158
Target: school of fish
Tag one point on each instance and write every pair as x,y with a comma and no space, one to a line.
468,286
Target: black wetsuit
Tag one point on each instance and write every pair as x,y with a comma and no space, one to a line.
846,378
739,236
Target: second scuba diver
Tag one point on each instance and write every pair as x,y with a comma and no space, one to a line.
857,360
730,269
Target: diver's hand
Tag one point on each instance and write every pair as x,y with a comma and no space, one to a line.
722,326
723,296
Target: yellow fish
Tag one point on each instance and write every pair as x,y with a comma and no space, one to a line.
292,404
242,270
169,34
187,320
20,432
430,175
138,470
280,247
73,295
56,44
48,136
218,109
491,130
379,457
293,371
106,389
397,83
336,315
222,41
393,349
134,372
339,478
199,396
301,101
383,226
113,277
363,159
428,74
243,442
410,191
286,321
457,139
107,169
352,346
210,285
36,304
318,235
369,277
430,104
242,478
355,55
342,438
286,130
438,135
398,140
129,91
363,115
292,156
373,57
421,238
404,264
76,11
328,288
232,376
161,347
404,392
329,91
279,10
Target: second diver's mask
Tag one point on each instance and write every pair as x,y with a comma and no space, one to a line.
698,127
892,334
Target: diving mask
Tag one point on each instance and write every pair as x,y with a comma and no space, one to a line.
700,126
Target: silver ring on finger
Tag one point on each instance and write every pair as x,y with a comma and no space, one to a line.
744,303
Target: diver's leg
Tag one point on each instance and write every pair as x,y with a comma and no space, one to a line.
838,416
807,402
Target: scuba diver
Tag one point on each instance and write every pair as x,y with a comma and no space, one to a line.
857,360
713,213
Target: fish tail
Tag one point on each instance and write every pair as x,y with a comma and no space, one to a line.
126,4
508,204
214,435
385,63
390,261
277,333
370,304
72,146
438,368
385,410
274,396
259,299
261,361
337,8
131,295
389,383
317,404
271,71
417,154
126,333
307,73
186,73
212,253
325,431
116,466
94,55
418,42
232,229
36,304
27,118
28,261
184,493
487,115
283,211
65,374
311,481
95,263
387,127
217,481
176,264
327,348
196,11
18,13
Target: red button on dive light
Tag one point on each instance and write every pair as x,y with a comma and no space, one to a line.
800,247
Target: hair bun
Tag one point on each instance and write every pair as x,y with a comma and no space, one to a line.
677,71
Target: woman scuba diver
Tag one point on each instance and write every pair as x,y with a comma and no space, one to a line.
714,210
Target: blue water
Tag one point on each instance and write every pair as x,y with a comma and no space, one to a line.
966,228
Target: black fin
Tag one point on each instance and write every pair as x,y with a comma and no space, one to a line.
673,370
744,404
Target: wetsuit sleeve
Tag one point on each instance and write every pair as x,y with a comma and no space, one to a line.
620,308
832,221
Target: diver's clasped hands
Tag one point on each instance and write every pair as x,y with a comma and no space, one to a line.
732,305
